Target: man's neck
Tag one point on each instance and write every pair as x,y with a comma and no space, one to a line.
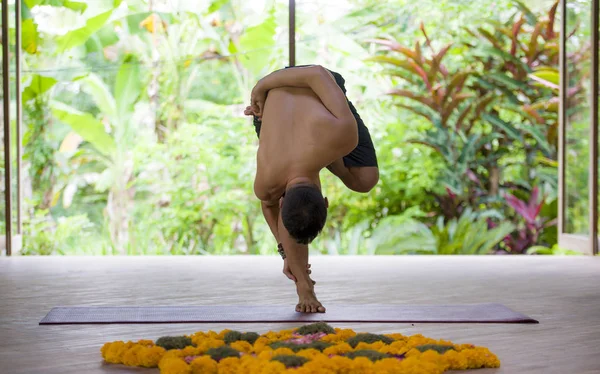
305,179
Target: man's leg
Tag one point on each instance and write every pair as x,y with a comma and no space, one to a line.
359,179
297,259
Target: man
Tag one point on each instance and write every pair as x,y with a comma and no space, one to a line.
305,124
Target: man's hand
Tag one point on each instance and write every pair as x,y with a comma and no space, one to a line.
257,100
288,272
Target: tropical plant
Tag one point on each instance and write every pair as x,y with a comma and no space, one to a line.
532,225
107,141
555,250
471,233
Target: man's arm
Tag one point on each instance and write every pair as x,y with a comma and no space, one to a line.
316,78
271,212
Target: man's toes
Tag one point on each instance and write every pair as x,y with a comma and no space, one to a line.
313,309
298,308
321,309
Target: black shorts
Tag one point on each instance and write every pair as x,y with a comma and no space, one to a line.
364,154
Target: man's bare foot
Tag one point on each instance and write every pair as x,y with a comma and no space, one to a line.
308,302
288,272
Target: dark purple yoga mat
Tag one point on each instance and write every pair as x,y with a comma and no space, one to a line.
469,313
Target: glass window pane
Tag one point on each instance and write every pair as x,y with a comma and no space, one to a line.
578,117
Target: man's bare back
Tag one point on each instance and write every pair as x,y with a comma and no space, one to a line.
297,137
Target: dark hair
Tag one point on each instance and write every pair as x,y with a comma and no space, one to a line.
304,213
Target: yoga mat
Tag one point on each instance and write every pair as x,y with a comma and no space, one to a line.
470,313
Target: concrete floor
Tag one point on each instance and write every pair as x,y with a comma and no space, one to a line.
563,293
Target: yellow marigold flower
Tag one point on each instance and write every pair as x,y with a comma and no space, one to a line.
374,346
413,352
338,349
130,356
174,365
343,365
206,344
316,366
339,336
462,347
435,358
191,351
228,365
455,360
396,348
174,353
396,337
362,365
146,342
413,365
265,355
480,357
283,351
250,364
204,365
311,353
273,367
150,356
275,336
417,340
114,352
242,346
262,344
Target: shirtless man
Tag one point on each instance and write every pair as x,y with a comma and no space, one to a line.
306,124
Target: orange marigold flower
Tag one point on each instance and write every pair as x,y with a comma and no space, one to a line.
338,349
130,356
372,346
362,365
455,360
150,356
310,353
204,365
228,365
283,351
242,346
174,365
273,367
396,337
265,355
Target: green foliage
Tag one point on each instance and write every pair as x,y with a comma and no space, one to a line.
79,36
222,352
471,233
318,345
555,250
174,342
43,235
368,338
315,328
234,336
84,124
368,353
133,122
291,361
441,349
37,86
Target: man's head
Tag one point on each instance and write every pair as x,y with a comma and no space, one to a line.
304,212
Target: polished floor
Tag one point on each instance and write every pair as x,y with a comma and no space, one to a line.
563,293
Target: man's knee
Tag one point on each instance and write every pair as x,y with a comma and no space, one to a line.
365,180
